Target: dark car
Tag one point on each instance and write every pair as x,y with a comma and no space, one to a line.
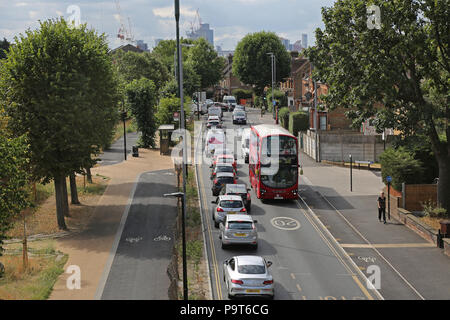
221,179
238,190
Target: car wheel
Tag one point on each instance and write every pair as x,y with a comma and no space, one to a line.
224,246
216,224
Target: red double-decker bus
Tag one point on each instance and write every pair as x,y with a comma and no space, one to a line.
273,162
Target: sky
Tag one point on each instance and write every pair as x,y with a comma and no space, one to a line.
231,20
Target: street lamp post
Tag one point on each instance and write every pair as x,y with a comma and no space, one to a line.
183,128
273,66
124,117
181,196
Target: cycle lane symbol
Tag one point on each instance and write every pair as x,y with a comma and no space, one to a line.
285,223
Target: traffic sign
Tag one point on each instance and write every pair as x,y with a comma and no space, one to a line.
176,116
389,179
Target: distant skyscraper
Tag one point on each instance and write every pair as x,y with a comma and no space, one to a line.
285,42
141,45
304,40
203,32
297,46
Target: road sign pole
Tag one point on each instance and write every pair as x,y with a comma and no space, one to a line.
351,178
389,200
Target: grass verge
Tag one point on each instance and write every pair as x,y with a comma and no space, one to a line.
37,281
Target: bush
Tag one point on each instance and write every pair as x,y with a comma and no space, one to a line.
401,166
283,116
258,101
298,121
279,96
430,209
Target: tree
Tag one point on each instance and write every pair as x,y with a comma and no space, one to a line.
58,86
252,64
167,106
166,52
133,65
398,73
14,177
141,96
206,63
4,47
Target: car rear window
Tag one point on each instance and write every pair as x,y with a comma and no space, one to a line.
231,204
226,180
240,225
251,269
224,169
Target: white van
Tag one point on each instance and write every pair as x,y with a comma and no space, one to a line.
231,101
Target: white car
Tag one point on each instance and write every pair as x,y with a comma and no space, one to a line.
245,143
227,205
213,121
248,276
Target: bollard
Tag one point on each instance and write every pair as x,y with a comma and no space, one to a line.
135,151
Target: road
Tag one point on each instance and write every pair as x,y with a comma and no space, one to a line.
307,261
114,154
139,267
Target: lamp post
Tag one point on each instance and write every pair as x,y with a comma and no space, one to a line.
272,64
124,117
183,128
181,196
351,182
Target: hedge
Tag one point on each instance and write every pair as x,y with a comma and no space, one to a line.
242,94
401,166
298,121
283,116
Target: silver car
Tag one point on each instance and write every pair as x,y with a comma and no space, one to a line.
227,205
239,116
248,276
238,229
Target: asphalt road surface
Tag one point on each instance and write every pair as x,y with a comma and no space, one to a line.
139,268
308,264
115,153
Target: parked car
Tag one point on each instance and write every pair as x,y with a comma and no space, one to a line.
245,143
241,190
221,180
238,229
226,205
248,276
223,167
239,116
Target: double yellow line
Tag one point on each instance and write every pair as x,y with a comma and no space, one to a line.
211,239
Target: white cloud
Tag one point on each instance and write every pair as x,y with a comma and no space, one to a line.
33,14
169,12
21,4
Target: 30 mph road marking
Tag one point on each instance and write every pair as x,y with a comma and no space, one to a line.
285,223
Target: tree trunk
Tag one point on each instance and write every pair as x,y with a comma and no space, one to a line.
89,174
444,183
59,194
65,198
73,189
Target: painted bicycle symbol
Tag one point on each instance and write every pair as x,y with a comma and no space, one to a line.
285,223
162,238
367,259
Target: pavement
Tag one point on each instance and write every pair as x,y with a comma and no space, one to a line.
94,249
410,267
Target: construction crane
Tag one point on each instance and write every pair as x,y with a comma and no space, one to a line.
124,33
195,25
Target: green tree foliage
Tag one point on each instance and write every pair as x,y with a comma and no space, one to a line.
298,121
401,166
167,106
206,63
4,47
279,96
166,52
252,64
283,115
59,87
14,177
134,65
404,66
142,96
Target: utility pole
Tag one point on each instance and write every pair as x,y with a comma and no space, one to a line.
183,128
124,118
272,65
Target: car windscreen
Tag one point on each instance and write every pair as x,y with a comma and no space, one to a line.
240,225
226,160
230,204
251,269
240,114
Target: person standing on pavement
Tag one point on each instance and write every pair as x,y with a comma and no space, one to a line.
382,207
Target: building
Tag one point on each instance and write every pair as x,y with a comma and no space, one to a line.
230,82
142,45
286,43
304,40
297,46
126,48
223,53
203,32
